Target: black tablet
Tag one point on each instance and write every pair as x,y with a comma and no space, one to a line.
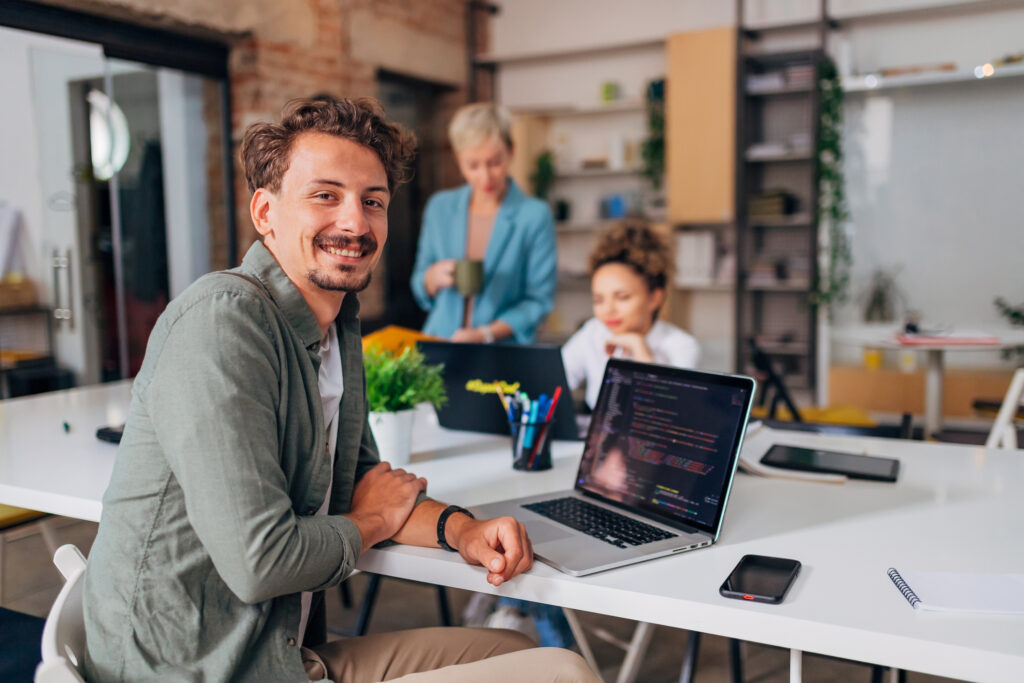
853,465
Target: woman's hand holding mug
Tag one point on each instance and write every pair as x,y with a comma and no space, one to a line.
439,276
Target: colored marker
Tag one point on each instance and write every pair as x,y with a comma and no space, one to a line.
501,394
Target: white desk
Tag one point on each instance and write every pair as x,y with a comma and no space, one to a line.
884,337
954,508
44,467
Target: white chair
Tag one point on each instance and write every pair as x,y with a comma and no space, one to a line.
64,633
1004,433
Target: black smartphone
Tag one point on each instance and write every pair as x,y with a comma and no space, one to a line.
760,578
853,465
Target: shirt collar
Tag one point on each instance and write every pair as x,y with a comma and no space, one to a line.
262,265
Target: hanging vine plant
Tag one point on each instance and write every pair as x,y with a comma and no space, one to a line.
834,277
652,150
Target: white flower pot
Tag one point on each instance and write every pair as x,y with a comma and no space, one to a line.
393,434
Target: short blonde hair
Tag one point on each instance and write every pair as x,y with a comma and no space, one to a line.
478,122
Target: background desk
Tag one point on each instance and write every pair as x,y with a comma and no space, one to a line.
884,337
955,508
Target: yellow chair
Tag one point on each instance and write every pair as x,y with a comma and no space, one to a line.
11,516
396,339
770,381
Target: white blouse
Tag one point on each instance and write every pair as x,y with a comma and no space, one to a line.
584,355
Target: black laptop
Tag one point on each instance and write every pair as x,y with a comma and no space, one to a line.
470,371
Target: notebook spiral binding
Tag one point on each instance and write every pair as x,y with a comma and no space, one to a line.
907,591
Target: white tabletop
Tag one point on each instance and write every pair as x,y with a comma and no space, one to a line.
883,335
45,467
954,508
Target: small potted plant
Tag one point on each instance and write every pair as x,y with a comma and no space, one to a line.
543,176
395,385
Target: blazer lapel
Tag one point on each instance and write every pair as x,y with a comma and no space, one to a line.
459,224
504,229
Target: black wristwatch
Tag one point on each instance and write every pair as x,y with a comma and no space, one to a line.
442,521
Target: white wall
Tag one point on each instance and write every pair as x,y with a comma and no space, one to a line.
525,26
933,174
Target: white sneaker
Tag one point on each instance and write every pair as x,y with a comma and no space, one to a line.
511,618
479,607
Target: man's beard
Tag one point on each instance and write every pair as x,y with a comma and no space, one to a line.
341,282
344,278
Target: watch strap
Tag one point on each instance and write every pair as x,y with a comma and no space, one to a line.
442,521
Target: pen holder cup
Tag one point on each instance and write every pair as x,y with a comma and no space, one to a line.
531,445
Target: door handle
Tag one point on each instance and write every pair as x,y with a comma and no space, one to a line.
62,313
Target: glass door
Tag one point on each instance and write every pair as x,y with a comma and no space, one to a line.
131,199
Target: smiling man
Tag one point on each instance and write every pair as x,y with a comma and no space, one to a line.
247,480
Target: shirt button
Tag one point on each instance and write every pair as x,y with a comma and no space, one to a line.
291,642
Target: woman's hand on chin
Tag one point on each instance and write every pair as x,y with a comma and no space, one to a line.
632,343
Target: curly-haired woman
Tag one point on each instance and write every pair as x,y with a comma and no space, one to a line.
629,270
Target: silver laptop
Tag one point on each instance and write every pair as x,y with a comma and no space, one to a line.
657,467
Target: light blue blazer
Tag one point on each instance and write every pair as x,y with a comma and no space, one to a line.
519,264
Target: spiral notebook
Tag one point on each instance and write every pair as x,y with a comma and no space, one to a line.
961,592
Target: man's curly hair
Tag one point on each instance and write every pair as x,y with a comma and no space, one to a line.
266,147
638,246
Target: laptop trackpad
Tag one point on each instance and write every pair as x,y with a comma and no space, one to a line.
542,532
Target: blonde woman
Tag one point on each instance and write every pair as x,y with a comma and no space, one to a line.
488,219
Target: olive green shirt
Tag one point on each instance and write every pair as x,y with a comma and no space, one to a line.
209,532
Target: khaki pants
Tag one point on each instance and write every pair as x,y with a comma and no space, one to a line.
444,655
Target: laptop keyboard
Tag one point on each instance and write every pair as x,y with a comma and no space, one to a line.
596,521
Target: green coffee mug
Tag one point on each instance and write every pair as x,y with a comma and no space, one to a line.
469,277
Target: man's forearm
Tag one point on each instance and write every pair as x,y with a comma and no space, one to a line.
421,527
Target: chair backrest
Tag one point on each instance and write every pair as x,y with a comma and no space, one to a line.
1004,433
770,380
64,633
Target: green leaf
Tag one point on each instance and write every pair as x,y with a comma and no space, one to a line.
401,382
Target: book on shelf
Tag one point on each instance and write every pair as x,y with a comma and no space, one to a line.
695,258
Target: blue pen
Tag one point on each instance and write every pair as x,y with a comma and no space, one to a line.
513,415
524,413
532,429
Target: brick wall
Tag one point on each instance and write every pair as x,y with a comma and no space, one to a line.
281,50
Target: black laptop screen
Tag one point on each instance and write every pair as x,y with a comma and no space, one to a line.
664,440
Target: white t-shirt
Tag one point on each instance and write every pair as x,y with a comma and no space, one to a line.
584,355
332,386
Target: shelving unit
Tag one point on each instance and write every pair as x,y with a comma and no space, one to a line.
873,82
613,107
596,173
39,313
777,254
778,158
596,153
567,53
